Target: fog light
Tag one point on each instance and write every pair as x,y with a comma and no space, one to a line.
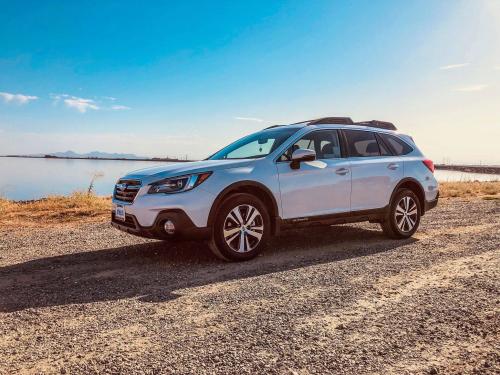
169,227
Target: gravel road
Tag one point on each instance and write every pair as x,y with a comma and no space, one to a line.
343,300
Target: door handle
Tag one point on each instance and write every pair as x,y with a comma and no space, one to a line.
393,166
342,171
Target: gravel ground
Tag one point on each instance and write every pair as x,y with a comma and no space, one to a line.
342,300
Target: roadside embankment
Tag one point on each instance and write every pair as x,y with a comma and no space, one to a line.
78,207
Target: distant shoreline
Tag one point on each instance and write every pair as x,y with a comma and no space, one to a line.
170,160
484,169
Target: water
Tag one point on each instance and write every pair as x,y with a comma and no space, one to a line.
24,179
445,175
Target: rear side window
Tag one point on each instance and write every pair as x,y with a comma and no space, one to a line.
361,143
384,150
397,145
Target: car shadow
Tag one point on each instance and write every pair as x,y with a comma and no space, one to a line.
154,271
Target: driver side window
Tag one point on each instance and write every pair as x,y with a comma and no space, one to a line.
325,143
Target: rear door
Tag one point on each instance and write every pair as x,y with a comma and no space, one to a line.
375,170
319,187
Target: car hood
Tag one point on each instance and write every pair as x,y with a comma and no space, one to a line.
157,172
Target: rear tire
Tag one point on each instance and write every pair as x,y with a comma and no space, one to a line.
404,214
241,228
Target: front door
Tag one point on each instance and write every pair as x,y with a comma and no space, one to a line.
319,187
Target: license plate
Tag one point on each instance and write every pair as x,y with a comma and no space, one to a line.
120,213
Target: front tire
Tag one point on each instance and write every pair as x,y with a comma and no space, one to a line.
404,214
241,228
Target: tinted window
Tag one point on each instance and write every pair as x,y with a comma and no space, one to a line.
384,151
326,143
398,146
362,143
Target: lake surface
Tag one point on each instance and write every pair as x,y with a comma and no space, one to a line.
24,178
445,175
28,178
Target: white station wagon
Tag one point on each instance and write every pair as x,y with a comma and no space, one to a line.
319,172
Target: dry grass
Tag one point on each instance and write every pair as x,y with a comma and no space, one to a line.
79,207
469,189
82,207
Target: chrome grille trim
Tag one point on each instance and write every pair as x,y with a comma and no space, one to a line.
126,190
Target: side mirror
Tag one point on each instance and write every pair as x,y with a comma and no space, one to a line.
301,155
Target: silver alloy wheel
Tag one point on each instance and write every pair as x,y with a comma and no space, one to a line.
243,228
406,214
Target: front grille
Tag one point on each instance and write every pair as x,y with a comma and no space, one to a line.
126,190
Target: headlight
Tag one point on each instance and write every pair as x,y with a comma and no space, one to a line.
178,184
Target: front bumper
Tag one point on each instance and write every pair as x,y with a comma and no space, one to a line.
145,208
184,227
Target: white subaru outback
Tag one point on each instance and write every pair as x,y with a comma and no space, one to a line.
319,172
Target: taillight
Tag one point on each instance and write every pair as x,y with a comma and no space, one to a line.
429,164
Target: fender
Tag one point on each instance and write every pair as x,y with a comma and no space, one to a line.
242,186
420,193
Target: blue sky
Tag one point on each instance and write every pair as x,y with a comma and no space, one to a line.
187,77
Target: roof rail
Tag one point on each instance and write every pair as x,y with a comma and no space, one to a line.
332,120
301,122
378,124
344,121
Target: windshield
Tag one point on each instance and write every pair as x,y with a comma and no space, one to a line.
256,145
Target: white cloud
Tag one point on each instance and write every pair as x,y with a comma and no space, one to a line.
80,104
59,96
472,88
453,66
17,98
497,67
118,107
254,119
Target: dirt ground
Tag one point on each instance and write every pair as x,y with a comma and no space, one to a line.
343,300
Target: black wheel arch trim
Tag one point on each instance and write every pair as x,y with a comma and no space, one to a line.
420,187
235,188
